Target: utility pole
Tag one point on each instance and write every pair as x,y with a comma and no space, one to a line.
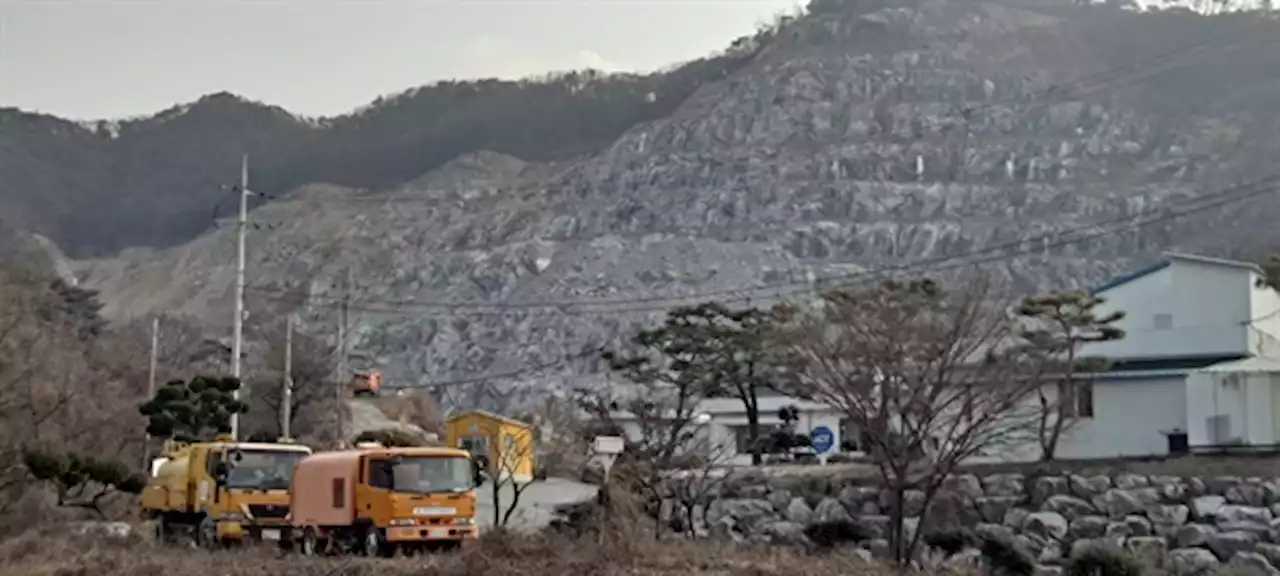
343,370
151,390
286,402
242,227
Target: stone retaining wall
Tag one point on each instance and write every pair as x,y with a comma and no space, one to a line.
1183,525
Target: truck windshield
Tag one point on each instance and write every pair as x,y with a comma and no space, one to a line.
423,474
263,469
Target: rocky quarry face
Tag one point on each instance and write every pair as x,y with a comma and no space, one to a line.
1182,526
860,139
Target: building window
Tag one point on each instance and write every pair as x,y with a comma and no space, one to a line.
1077,400
339,492
741,439
850,436
476,445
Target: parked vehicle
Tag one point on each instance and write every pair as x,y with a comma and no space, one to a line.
222,492
374,500
368,383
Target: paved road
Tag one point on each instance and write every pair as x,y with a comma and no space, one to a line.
537,502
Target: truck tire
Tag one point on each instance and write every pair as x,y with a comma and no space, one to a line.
207,534
310,545
375,545
161,531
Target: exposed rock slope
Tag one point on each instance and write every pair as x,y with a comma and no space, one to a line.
856,140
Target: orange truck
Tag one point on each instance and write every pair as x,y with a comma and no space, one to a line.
375,500
367,383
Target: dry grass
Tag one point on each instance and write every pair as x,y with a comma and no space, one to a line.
50,554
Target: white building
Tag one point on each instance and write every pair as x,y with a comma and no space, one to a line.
1200,356
1190,320
724,430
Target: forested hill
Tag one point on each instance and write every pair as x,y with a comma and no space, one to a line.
98,187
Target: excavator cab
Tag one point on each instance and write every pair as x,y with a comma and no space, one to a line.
367,383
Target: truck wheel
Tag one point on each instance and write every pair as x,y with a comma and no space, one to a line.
207,534
310,544
375,544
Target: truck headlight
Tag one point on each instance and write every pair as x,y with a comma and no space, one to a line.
403,522
463,520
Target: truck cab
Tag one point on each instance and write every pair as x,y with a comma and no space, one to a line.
375,500
222,492
367,383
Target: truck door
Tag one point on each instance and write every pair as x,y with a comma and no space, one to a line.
206,489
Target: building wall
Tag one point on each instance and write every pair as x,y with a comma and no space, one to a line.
1243,402
1129,416
517,462
1264,311
728,415
1188,308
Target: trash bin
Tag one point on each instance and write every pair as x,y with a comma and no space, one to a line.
1177,442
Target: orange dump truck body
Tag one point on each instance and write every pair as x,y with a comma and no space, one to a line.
427,495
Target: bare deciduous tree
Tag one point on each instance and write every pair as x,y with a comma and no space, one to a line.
661,407
694,489
56,395
930,377
312,366
504,469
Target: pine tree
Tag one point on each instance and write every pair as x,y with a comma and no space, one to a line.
193,411
1061,323
82,482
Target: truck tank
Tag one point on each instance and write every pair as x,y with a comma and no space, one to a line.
167,488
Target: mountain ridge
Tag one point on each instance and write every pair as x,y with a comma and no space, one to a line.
96,187
858,140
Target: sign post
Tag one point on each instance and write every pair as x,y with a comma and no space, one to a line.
607,448
823,440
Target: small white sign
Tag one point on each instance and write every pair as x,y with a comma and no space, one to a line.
271,534
608,445
436,511
439,532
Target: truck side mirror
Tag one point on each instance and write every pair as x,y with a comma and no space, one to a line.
220,472
478,471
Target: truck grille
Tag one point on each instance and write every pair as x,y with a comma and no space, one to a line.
269,510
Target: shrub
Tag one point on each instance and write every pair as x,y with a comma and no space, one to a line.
950,541
1100,560
1005,556
827,535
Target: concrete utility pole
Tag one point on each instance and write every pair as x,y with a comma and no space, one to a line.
242,228
286,402
151,390
343,370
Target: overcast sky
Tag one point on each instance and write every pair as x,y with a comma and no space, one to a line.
88,59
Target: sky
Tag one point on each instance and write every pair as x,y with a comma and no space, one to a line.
101,59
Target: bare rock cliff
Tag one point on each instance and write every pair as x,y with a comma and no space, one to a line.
859,139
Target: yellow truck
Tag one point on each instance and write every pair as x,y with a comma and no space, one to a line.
375,500
222,492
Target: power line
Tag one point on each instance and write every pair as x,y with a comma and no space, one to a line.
483,378
1034,244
